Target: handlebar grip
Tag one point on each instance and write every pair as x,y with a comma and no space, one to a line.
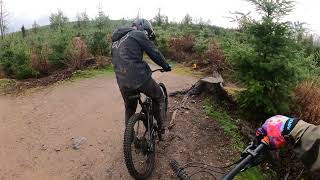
182,175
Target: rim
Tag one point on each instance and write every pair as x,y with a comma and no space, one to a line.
141,148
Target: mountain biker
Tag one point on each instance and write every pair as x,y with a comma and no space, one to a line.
132,72
305,137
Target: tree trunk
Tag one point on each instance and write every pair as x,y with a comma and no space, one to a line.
3,16
210,85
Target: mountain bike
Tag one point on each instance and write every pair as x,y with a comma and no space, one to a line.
250,157
140,137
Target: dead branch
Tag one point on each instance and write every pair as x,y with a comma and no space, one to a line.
300,174
288,174
181,92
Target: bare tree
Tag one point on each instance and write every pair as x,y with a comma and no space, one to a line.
160,19
138,14
82,19
3,19
187,20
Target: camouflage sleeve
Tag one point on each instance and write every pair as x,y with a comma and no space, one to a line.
307,144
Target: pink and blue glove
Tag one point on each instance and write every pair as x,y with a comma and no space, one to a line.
274,130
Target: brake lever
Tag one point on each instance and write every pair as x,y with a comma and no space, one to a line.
250,150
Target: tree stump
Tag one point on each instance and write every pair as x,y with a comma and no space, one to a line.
212,85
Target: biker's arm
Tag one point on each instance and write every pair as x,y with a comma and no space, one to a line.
307,144
152,51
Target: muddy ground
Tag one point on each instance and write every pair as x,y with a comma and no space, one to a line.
194,138
37,130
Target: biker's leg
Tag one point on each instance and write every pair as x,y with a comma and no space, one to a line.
153,90
130,104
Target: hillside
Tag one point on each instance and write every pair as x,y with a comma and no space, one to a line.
43,50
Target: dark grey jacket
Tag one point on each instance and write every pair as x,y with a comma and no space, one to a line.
128,46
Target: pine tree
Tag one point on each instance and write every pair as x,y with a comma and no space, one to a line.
58,20
35,27
23,31
82,20
266,68
187,20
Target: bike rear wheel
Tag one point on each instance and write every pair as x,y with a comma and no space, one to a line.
137,147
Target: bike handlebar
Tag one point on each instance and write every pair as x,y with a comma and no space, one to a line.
178,170
251,154
244,162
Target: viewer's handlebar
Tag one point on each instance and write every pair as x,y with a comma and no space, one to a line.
248,158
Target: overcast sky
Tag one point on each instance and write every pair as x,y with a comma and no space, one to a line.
217,11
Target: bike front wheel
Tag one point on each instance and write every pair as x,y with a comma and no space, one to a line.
139,148
164,90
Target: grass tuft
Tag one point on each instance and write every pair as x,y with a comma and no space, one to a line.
90,73
307,98
229,126
6,85
226,122
186,71
250,174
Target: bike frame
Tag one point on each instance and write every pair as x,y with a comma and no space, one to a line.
146,108
146,144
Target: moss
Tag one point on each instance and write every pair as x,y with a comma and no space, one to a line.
229,126
90,73
251,174
226,122
6,85
180,69
186,71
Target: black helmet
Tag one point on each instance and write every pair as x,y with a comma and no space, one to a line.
145,25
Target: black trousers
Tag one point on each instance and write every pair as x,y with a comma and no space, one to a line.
151,89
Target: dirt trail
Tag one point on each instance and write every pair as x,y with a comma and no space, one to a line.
36,130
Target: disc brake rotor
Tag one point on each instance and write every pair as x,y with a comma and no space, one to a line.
143,145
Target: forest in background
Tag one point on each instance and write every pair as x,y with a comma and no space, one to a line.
259,54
